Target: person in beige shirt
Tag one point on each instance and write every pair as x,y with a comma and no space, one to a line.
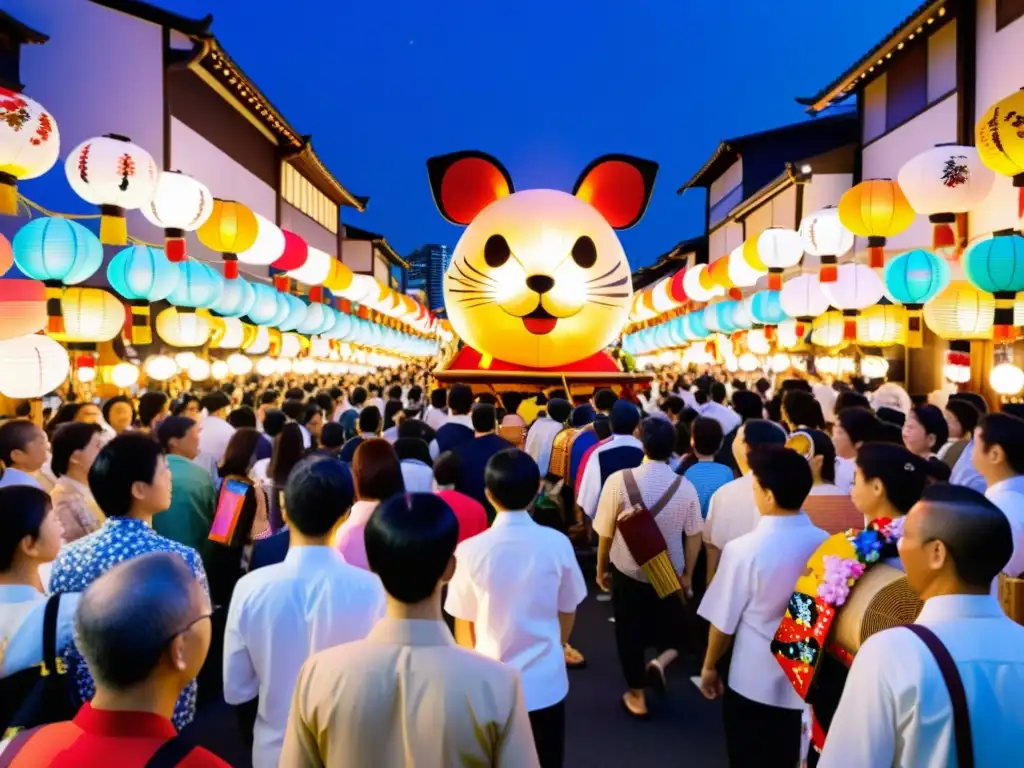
407,696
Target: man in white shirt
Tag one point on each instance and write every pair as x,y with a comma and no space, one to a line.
896,708
621,451
746,602
732,511
514,597
715,409
214,432
999,458
436,413
282,614
541,437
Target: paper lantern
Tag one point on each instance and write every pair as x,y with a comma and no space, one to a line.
876,209
239,365
882,325
748,362
296,312
90,315
124,375
199,285
823,235
264,307
180,204
758,342
319,319
745,267
1000,142
960,314
266,366
666,294
913,279
943,181
160,367
740,317
829,330
1006,379
786,334
259,344
33,366
57,250
29,145
780,362
316,269
231,229
766,308
268,246
803,298
290,345
341,278
996,266
22,307
779,249
6,255
185,359
718,272
142,273
219,370
235,300
198,371
857,287
342,328
85,375
957,374
874,367
182,328
114,174
295,253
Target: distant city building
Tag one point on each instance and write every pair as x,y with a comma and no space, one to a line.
427,265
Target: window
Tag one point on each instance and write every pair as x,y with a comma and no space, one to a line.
1007,12
297,190
906,91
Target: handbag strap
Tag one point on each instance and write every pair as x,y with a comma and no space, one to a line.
957,695
50,615
636,500
173,752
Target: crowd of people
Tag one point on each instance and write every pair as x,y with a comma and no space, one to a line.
379,571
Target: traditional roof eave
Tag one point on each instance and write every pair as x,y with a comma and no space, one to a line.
309,164
776,186
357,233
24,32
153,14
723,149
906,31
670,261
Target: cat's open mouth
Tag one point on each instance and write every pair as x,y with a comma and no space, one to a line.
540,322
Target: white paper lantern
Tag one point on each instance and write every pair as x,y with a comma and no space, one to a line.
184,360
124,375
828,330
694,288
780,362
779,249
1006,379
757,342
269,245
114,174
874,367
316,269
290,345
29,145
823,235
284,366
857,287
85,375
303,367
199,370
239,365
266,366
233,335
180,204
748,362
160,367
182,329
803,297
31,366
958,374
740,272
219,370
786,336
261,344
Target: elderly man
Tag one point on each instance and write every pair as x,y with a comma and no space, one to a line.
144,630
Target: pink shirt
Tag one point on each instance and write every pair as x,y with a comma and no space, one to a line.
471,514
349,540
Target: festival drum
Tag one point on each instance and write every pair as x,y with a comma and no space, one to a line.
881,599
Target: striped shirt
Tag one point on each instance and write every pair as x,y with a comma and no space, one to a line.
707,477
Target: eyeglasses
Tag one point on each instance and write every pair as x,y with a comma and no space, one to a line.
212,612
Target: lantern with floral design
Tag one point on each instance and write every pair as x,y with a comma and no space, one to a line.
996,266
913,279
857,287
824,236
876,209
180,204
114,174
941,182
230,230
29,145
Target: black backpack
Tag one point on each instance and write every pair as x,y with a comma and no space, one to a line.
41,694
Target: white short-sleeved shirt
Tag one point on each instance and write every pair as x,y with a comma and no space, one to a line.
896,711
723,414
748,597
539,441
1008,495
732,512
282,614
512,581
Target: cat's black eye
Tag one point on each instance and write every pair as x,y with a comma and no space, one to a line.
496,251
584,252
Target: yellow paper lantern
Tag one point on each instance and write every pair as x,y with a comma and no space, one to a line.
961,312
231,229
828,330
882,325
90,315
180,328
160,367
1000,142
339,279
876,209
124,375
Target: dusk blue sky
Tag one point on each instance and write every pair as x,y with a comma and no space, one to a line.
545,86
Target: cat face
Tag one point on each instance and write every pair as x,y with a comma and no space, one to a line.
539,277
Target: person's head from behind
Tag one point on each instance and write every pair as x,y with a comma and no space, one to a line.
748,405
782,479
410,545
332,436
369,421
179,436
485,418
888,480
31,532
439,398
925,430
559,409
295,393
973,398
152,405
624,418
358,398
287,452
718,392
659,439
850,399
74,448
999,447
318,496
801,409
706,436
273,422
512,480
295,410
447,471
130,478
242,417
672,406
216,404
377,471
23,445
603,400
119,413
752,435
144,625
391,410
313,418
269,399
955,541
460,399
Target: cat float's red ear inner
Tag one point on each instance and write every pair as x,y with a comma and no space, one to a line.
619,186
464,183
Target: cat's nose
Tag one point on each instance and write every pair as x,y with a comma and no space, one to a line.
540,283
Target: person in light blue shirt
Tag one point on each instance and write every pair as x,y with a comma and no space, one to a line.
707,475
964,472
23,452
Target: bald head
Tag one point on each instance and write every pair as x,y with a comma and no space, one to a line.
127,617
976,534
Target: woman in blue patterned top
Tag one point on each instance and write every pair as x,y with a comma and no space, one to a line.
131,482
707,475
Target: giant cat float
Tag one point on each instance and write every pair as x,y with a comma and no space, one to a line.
539,285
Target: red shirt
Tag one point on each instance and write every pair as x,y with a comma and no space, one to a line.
470,513
99,738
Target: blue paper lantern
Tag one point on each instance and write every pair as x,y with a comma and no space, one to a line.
916,277
284,307
662,339
199,285
142,273
57,250
719,316
766,308
996,266
296,313
236,299
317,321
343,325
696,327
264,306
740,316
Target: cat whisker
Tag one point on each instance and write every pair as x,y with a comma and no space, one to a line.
476,306
615,284
485,278
488,292
603,304
611,295
470,283
607,274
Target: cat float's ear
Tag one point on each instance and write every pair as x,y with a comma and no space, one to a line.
464,183
619,187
